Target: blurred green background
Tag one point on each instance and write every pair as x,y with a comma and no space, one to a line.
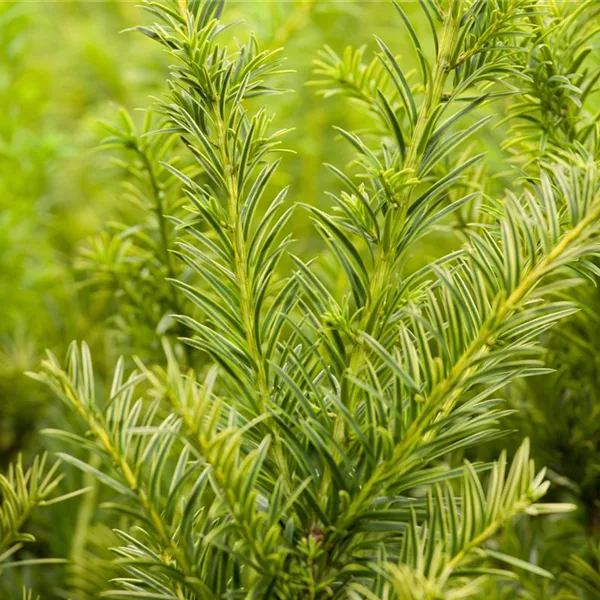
64,66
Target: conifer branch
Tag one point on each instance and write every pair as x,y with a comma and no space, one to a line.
315,458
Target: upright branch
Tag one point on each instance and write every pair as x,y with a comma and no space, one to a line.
243,304
477,44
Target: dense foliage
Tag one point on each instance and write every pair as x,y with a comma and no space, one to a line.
337,340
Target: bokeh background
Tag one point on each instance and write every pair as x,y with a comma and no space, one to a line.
66,66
